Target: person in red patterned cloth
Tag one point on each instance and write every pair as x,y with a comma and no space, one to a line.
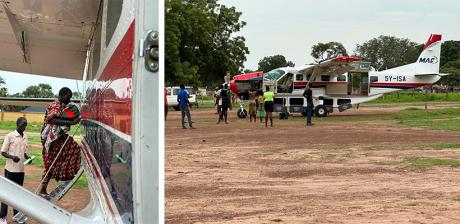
59,116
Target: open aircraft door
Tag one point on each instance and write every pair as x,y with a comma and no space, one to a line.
271,84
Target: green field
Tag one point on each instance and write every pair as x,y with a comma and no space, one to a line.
412,97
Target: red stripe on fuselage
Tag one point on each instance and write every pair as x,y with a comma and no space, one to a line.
320,83
110,101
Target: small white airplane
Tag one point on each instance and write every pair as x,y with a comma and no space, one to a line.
342,81
112,45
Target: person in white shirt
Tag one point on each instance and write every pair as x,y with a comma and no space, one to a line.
14,148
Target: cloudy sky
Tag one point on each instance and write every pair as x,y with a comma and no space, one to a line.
292,27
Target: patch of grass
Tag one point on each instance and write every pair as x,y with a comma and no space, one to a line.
38,161
276,220
413,108
2,160
430,162
82,182
11,125
34,139
441,119
412,204
411,96
444,146
457,198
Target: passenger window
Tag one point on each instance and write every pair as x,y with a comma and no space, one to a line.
325,78
113,16
299,77
341,78
374,78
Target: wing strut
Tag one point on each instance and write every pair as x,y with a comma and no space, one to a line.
19,32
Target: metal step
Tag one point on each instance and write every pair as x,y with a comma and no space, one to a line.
55,195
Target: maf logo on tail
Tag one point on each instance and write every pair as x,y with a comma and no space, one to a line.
432,60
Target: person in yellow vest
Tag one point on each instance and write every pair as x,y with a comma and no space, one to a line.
268,105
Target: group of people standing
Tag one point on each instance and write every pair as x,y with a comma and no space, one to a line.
260,103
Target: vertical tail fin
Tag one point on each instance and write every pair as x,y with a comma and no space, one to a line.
428,61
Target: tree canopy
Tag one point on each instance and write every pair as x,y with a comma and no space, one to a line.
3,89
450,63
40,91
269,63
200,42
322,51
385,52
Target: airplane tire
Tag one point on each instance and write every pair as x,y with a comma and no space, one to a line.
176,108
320,111
242,113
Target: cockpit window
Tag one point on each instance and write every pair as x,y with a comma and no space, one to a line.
274,74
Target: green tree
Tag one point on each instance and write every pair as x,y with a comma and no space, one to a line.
269,63
322,51
200,41
450,51
450,63
385,52
40,91
3,89
247,71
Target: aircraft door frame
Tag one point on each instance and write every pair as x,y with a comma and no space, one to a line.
361,88
148,132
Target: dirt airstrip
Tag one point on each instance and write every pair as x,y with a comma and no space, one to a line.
342,172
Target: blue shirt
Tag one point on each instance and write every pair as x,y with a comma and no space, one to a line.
182,98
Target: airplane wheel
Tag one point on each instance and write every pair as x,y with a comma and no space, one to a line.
176,108
320,111
242,113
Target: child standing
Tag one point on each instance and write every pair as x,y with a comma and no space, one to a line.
260,101
14,148
252,107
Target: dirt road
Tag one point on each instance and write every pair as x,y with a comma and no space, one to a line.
344,172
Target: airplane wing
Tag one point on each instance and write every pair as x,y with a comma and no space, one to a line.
334,66
46,37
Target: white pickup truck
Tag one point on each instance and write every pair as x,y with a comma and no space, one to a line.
172,92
